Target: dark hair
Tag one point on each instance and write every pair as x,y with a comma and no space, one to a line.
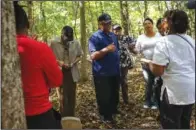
159,21
68,31
178,21
21,18
149,20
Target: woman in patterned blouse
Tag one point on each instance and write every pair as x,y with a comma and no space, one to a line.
125,59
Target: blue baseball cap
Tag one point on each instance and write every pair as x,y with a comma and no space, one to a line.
106,18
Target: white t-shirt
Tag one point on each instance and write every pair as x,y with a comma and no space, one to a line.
145,45
179,77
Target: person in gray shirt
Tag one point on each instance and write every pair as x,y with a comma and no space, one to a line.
68,53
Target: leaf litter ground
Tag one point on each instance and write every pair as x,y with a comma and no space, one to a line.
133,116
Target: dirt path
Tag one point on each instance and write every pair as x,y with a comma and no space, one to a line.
133,116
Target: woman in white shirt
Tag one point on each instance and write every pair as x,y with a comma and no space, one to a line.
174,60
145,45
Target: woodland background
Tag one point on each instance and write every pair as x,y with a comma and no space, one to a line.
47,18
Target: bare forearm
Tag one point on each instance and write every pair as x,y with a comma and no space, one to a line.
157,70
99,54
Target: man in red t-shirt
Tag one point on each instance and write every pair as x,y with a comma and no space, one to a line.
39,71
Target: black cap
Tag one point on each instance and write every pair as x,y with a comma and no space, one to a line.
116,27
191,4
104,18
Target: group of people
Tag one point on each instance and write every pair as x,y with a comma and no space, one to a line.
168,69
43,68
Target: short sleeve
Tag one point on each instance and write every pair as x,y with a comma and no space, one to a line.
92,44
160,56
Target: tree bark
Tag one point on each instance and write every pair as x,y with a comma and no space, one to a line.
13,113
84,76
145,8
75,10
30,15
91,14
124,16
45,37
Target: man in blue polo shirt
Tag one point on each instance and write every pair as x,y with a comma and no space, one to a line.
103,48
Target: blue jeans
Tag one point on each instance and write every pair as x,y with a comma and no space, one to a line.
150,97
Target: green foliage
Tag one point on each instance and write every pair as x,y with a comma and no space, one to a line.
61,13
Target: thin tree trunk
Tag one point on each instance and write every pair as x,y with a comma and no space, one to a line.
30,15
75,10
13,113
124,16
84,76
45,37
145,8
91,14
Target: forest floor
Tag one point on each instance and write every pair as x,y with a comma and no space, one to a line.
133,116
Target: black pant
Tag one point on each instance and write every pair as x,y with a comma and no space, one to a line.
107,94
43,121
174,116
158,85
68,93
149,91
123,83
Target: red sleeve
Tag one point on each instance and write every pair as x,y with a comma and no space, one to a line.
51,68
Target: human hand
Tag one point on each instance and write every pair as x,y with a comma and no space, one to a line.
67,66
145,60
111,47
60,63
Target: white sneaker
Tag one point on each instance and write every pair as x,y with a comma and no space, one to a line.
146,106
154,107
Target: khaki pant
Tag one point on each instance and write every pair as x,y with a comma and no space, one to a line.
68,94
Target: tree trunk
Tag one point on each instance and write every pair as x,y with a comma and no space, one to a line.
13,113
84,76
75,10
30,15
45,37
146,8
124,16
91,14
